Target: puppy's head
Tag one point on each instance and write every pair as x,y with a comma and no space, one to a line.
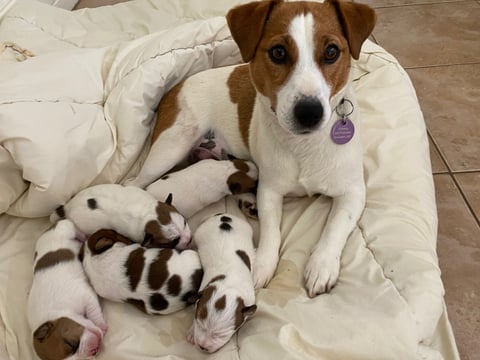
64,338
220,312
169,230
244,180
300,54
102,240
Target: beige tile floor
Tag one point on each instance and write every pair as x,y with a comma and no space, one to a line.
438,42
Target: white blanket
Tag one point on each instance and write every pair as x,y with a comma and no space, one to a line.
79,112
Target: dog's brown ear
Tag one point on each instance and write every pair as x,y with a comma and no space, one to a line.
246,24
357,21
43,331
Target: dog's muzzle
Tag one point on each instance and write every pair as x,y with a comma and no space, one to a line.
308,114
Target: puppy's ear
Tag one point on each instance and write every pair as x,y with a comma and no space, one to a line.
357,21
169,199
103,244
43,331
246,24
249,310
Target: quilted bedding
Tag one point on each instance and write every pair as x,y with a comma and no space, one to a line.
79,112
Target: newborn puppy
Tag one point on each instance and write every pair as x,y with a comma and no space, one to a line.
130,211
227,297
157,281
205,182
63,310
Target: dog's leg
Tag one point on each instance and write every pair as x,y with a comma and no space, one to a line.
322,269
269,205
93,312
168,150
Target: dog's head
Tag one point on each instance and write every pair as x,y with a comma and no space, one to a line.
169,230
245,179
220,312
64,338
300,54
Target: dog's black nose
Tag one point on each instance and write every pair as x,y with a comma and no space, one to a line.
308,113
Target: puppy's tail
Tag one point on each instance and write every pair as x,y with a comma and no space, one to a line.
58,214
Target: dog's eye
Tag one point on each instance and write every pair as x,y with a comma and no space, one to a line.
72,345
278,54
331,54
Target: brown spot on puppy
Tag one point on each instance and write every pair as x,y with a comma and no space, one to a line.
134,267
57,339
225,226
92,204
196,279
242,312
243,94
174,285
216,278
139,304
206,294
226,219
221,303
244,257
167,111
158,272
158,302
53,258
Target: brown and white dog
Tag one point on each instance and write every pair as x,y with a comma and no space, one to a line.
157,281
204,183
131,211
283,111
63,310
227,296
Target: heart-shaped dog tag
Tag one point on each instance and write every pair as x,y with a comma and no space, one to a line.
342,131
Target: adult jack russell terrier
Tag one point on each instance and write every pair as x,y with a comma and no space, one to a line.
63,310
227,296
283,110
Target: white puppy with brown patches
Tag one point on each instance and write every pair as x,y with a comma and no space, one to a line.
130,211
287,111
63,310
227,297
204,183
157,281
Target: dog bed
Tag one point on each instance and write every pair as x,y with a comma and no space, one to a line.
78,91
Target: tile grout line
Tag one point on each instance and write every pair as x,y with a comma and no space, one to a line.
440,65
477,219
422,4
451,174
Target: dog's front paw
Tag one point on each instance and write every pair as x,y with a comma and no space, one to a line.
263,269
321,274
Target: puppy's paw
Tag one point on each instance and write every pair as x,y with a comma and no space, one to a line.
191,335
248,204
263,269
321,274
